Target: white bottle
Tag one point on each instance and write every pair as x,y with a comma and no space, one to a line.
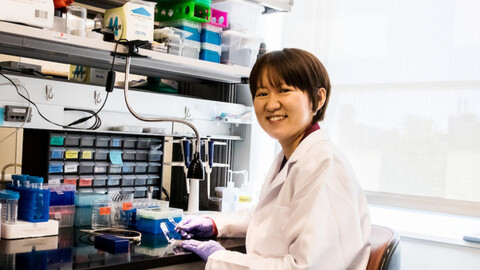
229,197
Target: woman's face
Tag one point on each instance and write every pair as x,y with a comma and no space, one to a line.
284,112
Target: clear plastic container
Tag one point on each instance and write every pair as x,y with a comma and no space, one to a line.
141,180
128,167
87,153
143,143
57,152
113,180
154,167
100,180
153,179
114,168
116,141
101,154
155,155
100,167
86,199
239,48
141,155
85,181
243,16
72,140
9,209
61,194
129,154
141,167
86,167
140,192
87,140
64,214
129,142
71,167
102,141
127,180
101,214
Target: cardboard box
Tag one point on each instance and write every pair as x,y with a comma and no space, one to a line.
132,21
32,12
88,74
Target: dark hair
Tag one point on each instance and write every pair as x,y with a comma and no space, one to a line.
294,67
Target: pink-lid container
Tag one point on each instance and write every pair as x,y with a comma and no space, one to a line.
219,18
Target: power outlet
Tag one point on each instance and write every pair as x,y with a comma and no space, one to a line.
17,114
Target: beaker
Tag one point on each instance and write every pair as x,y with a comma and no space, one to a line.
101,214
76,21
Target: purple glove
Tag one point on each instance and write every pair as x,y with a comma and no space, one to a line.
195,226
202,249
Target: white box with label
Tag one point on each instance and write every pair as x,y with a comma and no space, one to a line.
32,12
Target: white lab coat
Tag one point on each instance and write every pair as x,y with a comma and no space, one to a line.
310,215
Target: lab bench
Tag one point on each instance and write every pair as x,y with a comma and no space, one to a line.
71,250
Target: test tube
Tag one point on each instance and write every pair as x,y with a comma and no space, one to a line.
9,201
18,179
35,182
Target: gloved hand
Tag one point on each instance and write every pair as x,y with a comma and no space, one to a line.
195,226
202,249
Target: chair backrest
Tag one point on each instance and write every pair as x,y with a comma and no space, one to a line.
385,252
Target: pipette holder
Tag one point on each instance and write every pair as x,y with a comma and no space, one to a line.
33,205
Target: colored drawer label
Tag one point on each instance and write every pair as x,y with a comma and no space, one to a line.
85,182
54,181
55,168
70,181
87,155
116,142
57,154
71,168
116,157
71,154
56,141
127,206
105,211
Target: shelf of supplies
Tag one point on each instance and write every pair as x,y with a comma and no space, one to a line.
270,5
25,41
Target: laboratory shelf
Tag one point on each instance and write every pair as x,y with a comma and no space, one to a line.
25,41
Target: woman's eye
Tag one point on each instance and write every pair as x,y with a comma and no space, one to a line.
261,94
284,90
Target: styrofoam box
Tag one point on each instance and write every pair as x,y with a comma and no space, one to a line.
243,16
239,48
24,229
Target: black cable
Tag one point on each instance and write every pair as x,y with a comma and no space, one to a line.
38,110
167,197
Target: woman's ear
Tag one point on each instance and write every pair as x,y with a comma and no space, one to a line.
322,96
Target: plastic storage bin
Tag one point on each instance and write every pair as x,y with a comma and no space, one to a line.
141,155
86,167
100,167
116,141
71,153
219,18
85,181
211,34
64,214
55,179
86,153
57,139
154,167
57,152
210,52
70,167
61,194
141,167
239,48
153,179
55,167
155,155
127,180
99,180
143,143
141,180
128,167
191,49
113,180
114,168
243,16
140,192
87,140
113,190
102,141
196,11
129,154
101,154
129,142
70,179
72,140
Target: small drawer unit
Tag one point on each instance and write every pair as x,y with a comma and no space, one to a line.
114,168
55,179
72,140
101,154
100,167
153,179
143,143
86,167
141,167
129,154
113,180
128,180
70,167
129,142
141,155
57,153
141,179
100,180
57,139
116,142
154,167
102,141
87,141
70,179
155,155
71,153
85,181
86,153
55,167
128,167
140,192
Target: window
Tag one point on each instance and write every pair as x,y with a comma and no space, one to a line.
405,106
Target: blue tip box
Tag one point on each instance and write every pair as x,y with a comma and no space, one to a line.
111,243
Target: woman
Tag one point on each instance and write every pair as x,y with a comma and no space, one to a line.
312,214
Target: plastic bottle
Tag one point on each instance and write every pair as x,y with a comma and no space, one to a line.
229,197
35,182
245,197
9,208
